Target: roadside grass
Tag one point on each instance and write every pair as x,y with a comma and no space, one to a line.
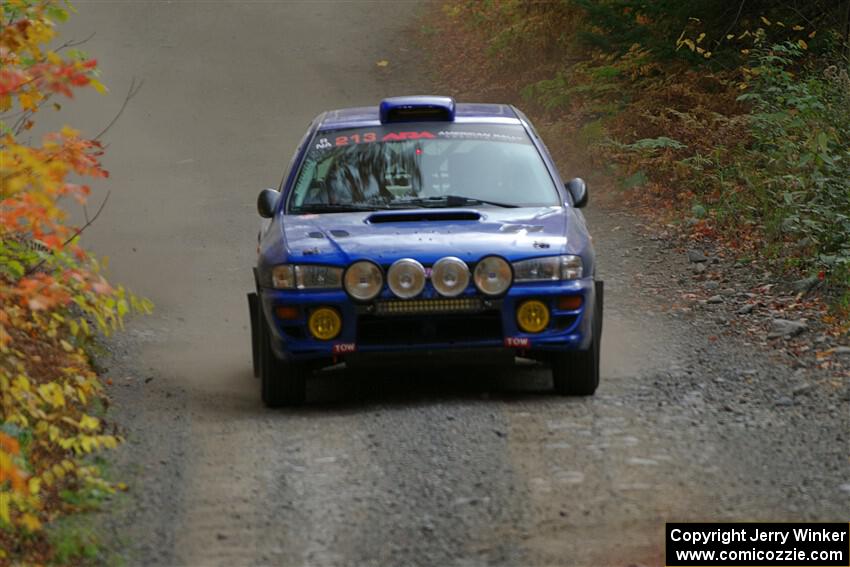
76,539
74,542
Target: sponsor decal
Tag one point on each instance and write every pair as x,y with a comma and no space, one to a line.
517,342
366,138
396,136
344,348
351,138
471,135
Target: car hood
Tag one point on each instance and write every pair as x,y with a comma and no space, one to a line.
430,234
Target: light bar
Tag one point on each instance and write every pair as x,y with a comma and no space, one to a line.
425,306
417,109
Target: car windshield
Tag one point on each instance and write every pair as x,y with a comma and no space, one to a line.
422,165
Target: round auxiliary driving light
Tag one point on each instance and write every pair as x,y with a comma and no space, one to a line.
492,275
406,278
325,323
532,316
363,280
450,276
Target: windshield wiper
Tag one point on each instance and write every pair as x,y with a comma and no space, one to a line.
336,208
450,201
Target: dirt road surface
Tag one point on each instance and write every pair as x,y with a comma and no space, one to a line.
454,466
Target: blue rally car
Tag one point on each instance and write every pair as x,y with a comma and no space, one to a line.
420,226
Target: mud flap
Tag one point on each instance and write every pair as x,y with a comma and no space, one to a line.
254,309
599,289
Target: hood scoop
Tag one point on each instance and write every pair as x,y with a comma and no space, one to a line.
423,216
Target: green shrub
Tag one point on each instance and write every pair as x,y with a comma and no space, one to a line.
799,161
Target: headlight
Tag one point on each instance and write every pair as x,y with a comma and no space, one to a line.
492,275
406,278
283,277
450,276
363,280
551,268
291,276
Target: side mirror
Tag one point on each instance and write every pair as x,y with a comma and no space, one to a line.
578,189
267,202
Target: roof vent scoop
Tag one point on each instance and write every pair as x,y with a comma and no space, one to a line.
417,109
419,215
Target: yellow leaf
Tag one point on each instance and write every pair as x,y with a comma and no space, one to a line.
802,44
98,86
89,422
29,100
52,394
30,522
34,485
69,132
382,63
730,36
798,28
707,54
701,37
5,498
47,477
812,35
765,21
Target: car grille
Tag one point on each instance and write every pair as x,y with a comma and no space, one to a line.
444,328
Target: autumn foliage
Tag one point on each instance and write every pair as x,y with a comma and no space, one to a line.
53,296
728,121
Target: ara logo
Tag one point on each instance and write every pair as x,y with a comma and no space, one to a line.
396,136
344,348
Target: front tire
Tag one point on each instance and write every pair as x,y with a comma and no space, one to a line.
283,383
576,373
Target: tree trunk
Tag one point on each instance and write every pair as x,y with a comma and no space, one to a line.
847,32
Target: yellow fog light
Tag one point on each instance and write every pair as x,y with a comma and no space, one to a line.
324,323
532,316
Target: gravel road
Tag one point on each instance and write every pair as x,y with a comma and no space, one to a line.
407,466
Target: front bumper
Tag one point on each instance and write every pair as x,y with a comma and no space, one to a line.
369,331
